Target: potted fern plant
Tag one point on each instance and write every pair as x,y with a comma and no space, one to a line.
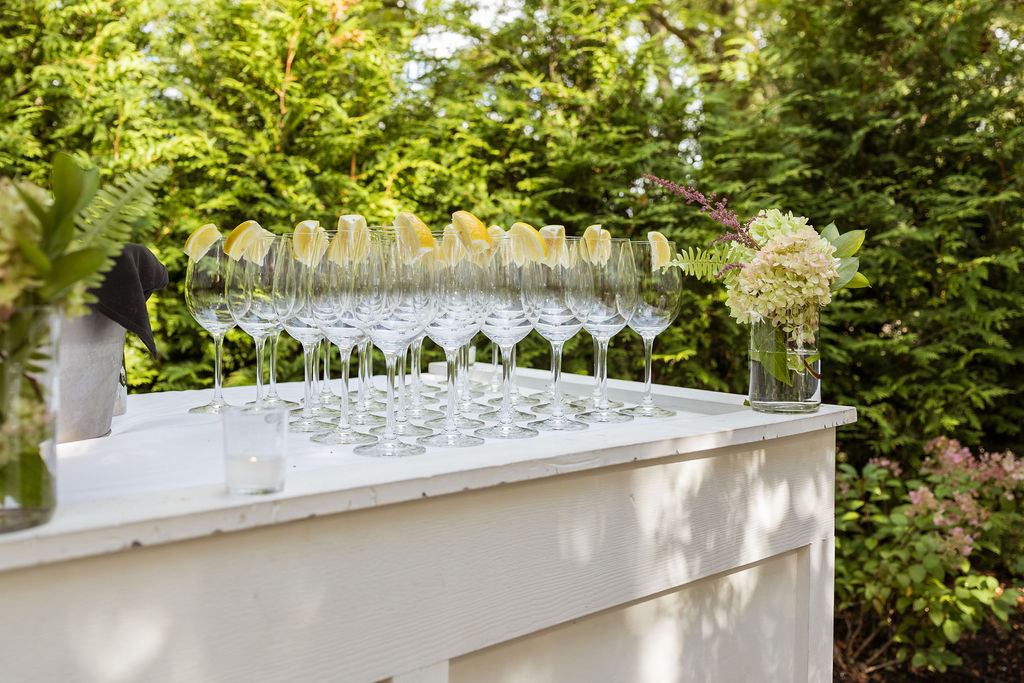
779,272
54,246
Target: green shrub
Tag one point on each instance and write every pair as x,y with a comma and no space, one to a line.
912,552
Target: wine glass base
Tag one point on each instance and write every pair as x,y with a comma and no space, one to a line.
208,409
372,406
335,437
306,425
545,408
450,440
278,401
461,421
331,401
518,400
366,420
590,403
509,431
389,449
604,417
422,413
559,424
404,429
517,416
648,411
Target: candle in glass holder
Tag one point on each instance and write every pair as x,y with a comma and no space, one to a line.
255,449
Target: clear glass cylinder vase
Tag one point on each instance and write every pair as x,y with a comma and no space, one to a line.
28,411
785,366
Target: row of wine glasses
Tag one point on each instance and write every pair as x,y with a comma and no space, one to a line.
361,285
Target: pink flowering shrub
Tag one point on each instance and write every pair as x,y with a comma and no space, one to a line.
916,553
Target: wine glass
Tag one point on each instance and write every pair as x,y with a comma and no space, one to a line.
393,303
613,269
272,398
333,306
250,298
660,291
458,287
205,281
293,300
417,409
557,296
505,324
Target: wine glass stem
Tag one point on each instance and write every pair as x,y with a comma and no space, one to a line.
400,405
648,399
556,381
361,396
451,357
513,384
346,355
390,361
260,343
307,379
597,364
505,416
601,373
464,370
272,387
325,390
417,347
218,355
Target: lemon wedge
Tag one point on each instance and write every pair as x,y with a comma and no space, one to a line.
471,231
598,244
527,244
661,250
248,239
557,251
200,241
495,232
309,241
353,239
406,220
451,249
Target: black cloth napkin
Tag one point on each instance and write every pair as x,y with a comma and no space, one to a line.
136,274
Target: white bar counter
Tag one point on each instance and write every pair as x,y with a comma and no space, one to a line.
694,548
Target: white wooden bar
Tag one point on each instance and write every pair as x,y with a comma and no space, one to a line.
696,548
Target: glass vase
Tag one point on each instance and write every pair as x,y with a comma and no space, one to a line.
785,366
28,344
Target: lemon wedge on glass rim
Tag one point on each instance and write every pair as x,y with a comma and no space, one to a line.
352,240
200,241
554,238
527,244
248,239
309,242
661,250
471,231
411,220
598,243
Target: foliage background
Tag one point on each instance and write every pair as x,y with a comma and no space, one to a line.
904,118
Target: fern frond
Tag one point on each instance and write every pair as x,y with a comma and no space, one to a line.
703,264
117,207
110,219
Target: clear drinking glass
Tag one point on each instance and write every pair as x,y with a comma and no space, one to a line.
613,269
459,294
205,282
250,297
333,306
293,298
393,303
505,324
557,296
660,293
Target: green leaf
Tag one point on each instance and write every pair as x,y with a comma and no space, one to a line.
848,243
858,281
72,188
917,573
846,270
33,254
952,630
831,233
70,268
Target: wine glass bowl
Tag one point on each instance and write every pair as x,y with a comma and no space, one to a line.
205,283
